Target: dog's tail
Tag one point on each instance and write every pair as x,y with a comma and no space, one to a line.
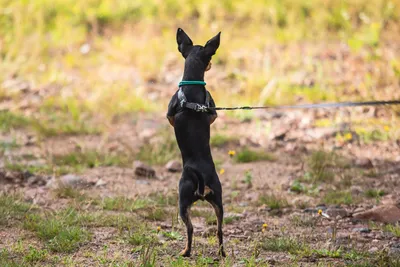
200,181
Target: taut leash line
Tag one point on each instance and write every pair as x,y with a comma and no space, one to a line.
308,106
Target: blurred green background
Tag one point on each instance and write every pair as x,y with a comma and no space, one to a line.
102,58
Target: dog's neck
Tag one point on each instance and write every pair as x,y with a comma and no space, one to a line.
194,70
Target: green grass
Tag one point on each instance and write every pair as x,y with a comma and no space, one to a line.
303,221
140,235
34,255
338,198
374,193
73,162
231,219
247,155
163,200
9,121
6,259
283,244
12,208
68,192
124,204
47,125
40,169
160,151
62,231
319,163
219,140
91,159
393,228
157,214
273,201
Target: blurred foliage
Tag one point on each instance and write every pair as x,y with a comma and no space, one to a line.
107,52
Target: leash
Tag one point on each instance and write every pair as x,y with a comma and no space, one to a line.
205,108
309,106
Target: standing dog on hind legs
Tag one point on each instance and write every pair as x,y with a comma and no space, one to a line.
189,114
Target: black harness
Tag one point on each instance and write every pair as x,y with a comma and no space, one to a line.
194,106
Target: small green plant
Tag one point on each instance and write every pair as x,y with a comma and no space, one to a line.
90,159
6,259
374,193
393,228
67,192
124,204
164,200
10,121
297,187
274,202
220,140
283,244
62,231
140,236
148,255
180,262
303,221
35,255
39,169
248,179
11,208
211,219
172,235
338,197
161,150
230,219
156,214
318,164
247,155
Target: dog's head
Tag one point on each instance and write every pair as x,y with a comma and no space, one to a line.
198,53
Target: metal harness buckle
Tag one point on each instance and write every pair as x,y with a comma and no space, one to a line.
201,108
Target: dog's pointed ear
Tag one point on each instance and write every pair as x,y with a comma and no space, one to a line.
184,42
212,45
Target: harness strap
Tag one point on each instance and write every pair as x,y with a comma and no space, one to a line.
190,105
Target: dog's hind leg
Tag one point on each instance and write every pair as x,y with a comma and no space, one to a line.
216,202
185,215
187,190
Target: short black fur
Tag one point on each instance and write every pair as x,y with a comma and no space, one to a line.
192,130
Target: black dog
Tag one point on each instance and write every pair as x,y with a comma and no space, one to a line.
188,113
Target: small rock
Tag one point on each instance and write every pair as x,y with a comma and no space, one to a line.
335,212
385,213
144,170
279,133
373,250
142,181
247,233
174,166
394,250
359,209
364,163
65,181
36,180
361,230
310,210
100,182
319,133
263,208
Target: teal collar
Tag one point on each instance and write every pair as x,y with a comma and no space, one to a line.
191,83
